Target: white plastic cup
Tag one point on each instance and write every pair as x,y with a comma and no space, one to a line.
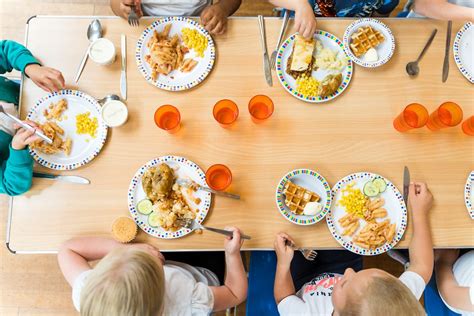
114,113
102,52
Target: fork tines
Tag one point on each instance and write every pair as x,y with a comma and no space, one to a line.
133,17
309,254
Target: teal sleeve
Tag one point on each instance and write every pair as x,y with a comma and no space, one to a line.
16,170
14,56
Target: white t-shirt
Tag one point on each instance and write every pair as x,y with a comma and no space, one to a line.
187,289
315,297
463,3
463,271
174,7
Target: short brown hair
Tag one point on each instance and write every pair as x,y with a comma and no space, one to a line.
128,282
385,296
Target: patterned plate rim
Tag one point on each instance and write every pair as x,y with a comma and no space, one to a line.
456,53
181,87
468,193
102,127
349,245
313,99
359,61
310,220
201,215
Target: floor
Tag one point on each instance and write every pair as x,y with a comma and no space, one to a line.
33,285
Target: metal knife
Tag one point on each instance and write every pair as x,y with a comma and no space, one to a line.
123,75
26,126
188,183
446,52
72,179
406,184
286,17
266,60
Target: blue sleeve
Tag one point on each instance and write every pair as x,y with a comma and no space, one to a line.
388,6
14,56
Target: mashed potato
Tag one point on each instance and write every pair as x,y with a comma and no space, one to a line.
329,59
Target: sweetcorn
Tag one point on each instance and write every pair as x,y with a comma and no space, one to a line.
86,125
194,40
353,200
307,86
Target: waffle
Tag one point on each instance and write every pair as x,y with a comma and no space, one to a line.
364,39
297,197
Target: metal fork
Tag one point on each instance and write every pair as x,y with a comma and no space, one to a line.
133,17
193,225
308,254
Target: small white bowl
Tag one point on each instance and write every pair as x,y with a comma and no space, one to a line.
102,52
114,113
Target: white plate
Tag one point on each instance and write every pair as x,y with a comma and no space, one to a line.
84,147
468,194
328,40
385,50
183,168
176,80
463,51
394,204
310,180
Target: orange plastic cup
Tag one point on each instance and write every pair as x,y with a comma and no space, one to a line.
468,126
413,116
448,114
261,108
225,112
218,177
168,118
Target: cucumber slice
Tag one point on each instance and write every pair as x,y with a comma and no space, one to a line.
145,207
370,189
154,220
380,184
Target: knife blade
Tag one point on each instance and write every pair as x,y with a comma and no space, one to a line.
266,60
189,183
123,74
406,184
286,17
446,52
72,179
28,127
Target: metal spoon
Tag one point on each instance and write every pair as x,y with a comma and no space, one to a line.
94,32
412,67
108,98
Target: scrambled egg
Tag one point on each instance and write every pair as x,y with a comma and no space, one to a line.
328,59
86,125
307,86
353,200
195,40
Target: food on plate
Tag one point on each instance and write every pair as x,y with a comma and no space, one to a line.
371,56
350,223
330,84
364,39
328,59
301,59
167,53
375,234
375,187
124,229
166,202
193,39
307,85
297,197
86,125
353,200
55,111
312,208
55,133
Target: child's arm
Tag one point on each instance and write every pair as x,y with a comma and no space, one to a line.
234,290
421,245
305,21
453,294
214,17
284,286
443,10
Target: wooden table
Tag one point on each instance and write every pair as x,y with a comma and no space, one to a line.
352,133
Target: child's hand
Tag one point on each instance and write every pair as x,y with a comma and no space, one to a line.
232,245
283,251
46,78
305,22
125,8
446,256
214,19
155,252
24,137
420,198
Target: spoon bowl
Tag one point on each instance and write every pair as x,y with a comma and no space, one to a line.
108,98
94,31
412,68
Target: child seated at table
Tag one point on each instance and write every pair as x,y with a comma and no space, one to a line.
306,10
456,10
455,279
135,279
213,16
366,292
16,163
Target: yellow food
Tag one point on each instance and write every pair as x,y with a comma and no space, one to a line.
307,86
195,40
353,200
124,229
86,125
56,110
55,133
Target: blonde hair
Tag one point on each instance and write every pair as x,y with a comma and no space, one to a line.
384,296
128,282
